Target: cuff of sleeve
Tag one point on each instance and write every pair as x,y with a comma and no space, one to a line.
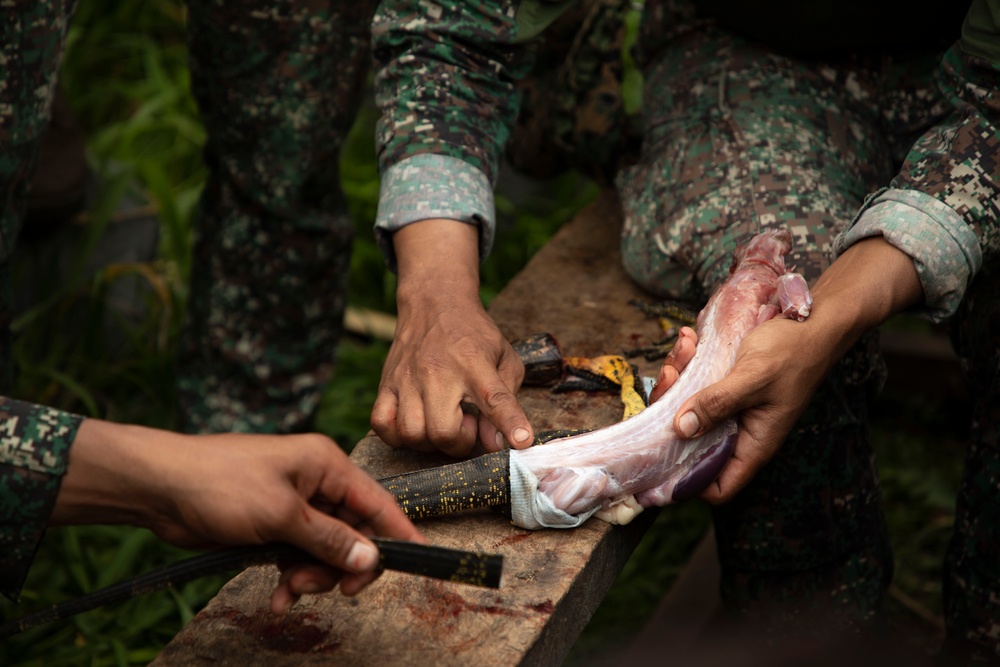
34,453
945,251
429,186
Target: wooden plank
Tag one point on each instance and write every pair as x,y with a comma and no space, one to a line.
575,289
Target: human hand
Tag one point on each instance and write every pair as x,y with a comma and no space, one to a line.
769,387
680,356
215,491
781,363
448,356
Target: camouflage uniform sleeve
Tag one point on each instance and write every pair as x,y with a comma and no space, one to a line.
445,81
942,208
34,452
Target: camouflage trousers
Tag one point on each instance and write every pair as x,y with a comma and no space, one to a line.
737,139
278,85
32,37
278,91
972,565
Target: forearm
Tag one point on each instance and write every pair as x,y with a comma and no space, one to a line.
444,81
956,162
438,261
432,187
942,208
118,474
447,105
869,283
781,363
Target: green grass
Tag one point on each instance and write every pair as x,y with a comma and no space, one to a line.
126,78
125,75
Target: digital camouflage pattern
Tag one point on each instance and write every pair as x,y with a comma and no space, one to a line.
410,190
738,137
736,140
34,440
34,451
421,147
806,540
32,35
972,565
273,235
572,112
436,93
957,162
950,173
271,259
573,115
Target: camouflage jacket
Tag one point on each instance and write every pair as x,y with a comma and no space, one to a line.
34,452
446,77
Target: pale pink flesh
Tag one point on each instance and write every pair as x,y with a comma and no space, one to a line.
643,456
794,297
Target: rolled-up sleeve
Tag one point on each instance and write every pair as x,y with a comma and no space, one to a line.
446,76
433,186
944,249
943,207
34,453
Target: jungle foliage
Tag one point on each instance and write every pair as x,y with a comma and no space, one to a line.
78,348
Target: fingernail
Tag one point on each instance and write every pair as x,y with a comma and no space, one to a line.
498,438
362,557
688,424
521,435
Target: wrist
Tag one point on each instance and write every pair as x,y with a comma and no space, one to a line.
438,260
869,283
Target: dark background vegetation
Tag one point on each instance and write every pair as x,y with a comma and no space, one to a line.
83,344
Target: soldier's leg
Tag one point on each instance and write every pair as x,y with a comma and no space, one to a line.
572,110
737,140
278,85
972,566
33,35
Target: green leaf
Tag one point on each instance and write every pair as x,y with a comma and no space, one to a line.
76,388
125,558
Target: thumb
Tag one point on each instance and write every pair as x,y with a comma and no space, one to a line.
709,407
509,417
501,408
498,403
333,541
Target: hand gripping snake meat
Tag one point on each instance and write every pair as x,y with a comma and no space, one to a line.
639,462
612,472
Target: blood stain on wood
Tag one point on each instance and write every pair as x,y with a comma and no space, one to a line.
542,607
444,606
289,633
513,539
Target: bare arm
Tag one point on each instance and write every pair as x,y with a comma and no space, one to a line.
773,378
447,351
213,491
445,81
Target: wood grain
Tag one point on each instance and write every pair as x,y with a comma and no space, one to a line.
575,289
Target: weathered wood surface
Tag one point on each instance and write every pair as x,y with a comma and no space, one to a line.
575,289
